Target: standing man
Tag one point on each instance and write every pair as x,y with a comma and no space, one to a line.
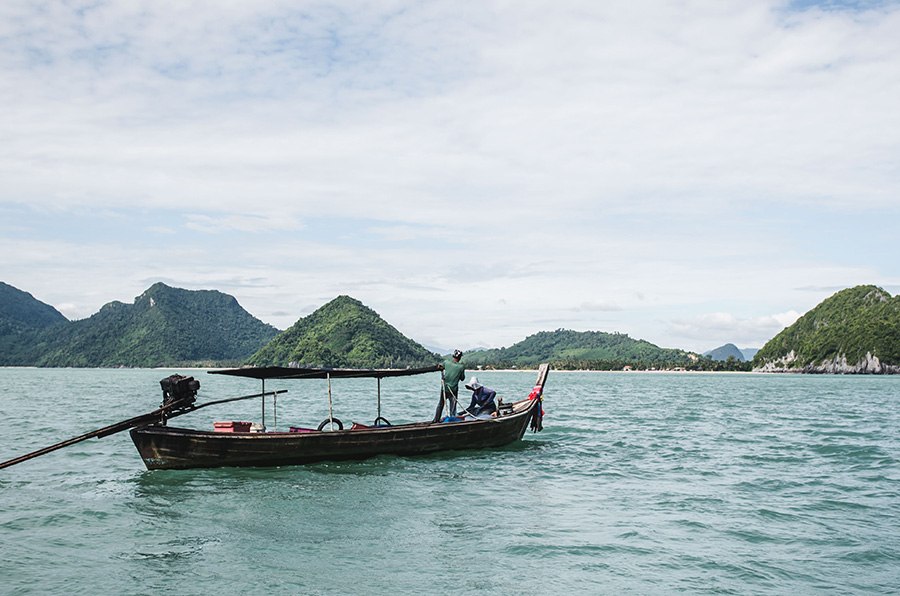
453,373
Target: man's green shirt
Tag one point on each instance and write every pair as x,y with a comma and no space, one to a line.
454,372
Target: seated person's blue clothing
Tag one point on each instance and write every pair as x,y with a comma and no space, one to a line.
482,402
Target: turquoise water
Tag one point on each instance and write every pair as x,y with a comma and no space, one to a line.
647,483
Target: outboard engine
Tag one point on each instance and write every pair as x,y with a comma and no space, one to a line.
179,388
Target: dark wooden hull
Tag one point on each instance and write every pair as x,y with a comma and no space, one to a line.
164,447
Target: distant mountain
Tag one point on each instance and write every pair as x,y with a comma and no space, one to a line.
345,334
436,349
564,348
725,352
856,330
22,309
164,327
22,317
749,353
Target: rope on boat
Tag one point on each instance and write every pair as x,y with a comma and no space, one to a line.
537,415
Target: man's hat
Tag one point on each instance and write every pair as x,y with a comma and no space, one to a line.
457,353
473,384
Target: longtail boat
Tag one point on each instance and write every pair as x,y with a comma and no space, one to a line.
166,447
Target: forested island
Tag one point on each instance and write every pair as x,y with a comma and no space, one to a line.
343,333
855,331
164,326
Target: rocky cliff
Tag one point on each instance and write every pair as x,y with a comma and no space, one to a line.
855,331
837,365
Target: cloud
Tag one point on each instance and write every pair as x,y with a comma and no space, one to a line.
229,284
725,328
166,230
243,223
647,163
392,111
407,233
597,306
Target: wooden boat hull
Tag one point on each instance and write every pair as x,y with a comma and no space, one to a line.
164,447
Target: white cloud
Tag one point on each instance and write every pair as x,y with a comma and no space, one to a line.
346,108
598,306
244,223
612,166
720,328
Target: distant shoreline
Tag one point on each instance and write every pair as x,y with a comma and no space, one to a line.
630,372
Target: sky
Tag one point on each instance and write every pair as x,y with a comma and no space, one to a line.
691,173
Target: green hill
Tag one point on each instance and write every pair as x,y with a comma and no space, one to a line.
725,352
22,317
164,327
856,330
566,349
343,333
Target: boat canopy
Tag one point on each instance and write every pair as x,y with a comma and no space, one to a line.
284,372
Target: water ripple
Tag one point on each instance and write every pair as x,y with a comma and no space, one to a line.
649,484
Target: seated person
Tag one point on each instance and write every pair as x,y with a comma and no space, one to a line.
482,399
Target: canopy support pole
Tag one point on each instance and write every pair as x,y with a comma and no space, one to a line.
379,398
263,404
330,406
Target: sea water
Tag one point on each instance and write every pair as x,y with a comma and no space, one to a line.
642,483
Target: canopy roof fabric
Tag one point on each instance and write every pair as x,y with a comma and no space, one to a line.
283,372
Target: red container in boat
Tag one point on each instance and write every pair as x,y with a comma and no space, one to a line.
231,426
